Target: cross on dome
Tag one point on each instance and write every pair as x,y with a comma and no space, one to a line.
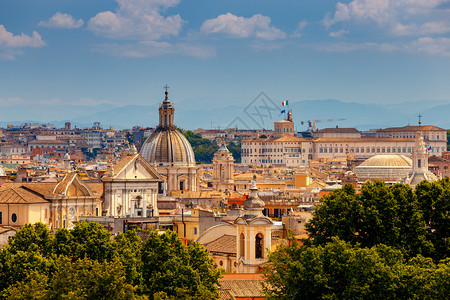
166,87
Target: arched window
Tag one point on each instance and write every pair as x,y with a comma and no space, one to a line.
242,245
259,243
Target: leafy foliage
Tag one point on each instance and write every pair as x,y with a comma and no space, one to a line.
204,149
339,270
385,242
85,263
380,214
188,269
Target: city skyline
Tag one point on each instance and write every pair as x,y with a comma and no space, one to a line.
215,53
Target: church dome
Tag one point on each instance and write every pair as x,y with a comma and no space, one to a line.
167,144
387,160
386,167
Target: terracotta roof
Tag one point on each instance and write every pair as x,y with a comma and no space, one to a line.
436,158
286,138
62,186
239,286
43,188
223,244
96,187
363,139
226,294
119,166
338,130
290,138
411,128
47,142
20,195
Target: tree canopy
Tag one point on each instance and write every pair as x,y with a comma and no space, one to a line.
416,222
86,263
340,270
385,242
204,149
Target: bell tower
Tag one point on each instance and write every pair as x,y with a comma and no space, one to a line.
254,234
166,113
223,163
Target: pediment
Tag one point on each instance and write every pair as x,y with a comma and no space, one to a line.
260,221
138,169
72,186
240,221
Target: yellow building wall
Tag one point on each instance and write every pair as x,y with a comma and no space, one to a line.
26,213
302,180
264,186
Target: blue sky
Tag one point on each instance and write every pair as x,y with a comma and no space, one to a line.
55,52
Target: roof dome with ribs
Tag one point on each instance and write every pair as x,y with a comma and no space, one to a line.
167,145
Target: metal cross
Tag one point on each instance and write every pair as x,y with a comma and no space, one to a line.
166,87
420,118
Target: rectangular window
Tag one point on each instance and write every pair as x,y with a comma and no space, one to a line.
195,230
1,218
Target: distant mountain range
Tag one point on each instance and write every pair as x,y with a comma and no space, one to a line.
256,115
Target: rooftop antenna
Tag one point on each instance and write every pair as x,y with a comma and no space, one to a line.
420,119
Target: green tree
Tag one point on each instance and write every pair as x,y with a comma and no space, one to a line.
82,279
171,269
34,287
434,203
16,267
85,263
86,239
336,270
31,236
339,270
380,214
90,279
235,149
128,248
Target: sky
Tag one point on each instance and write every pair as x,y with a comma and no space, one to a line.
214,53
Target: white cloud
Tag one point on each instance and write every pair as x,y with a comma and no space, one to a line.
428,28
60,20
10,44
11,101
137,19
240,27
8,40
155,48
350,47
338,33
299,30
399,17
424,45
431,46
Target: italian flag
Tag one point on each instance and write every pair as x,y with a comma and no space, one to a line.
284,103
